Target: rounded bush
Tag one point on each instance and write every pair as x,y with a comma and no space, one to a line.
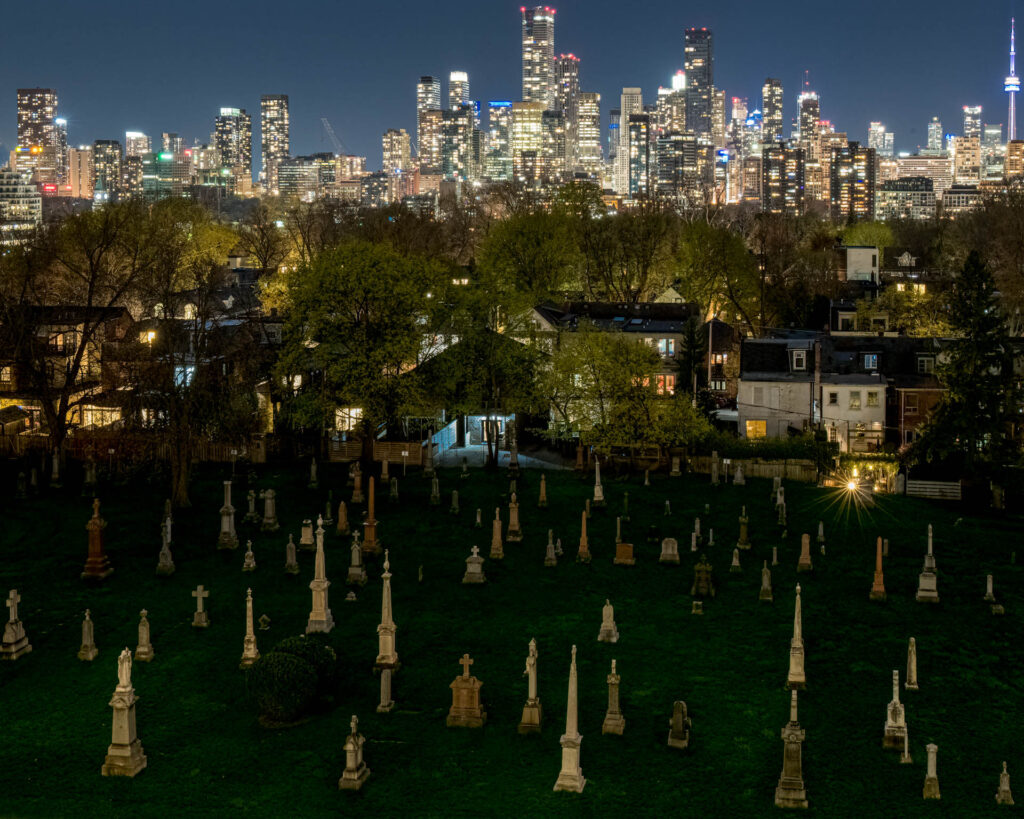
314,650
282,686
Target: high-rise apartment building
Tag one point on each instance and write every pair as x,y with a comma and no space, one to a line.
106,170
458,162
911,197
275,130
935,136
852,182
80,172
498,161
882,140
972,121
782,179
588,135
993,152
772,103
639,168
527,141
698,62
567,102
136,143
556,157
233,137
395,151
458,89
539,56
966,155
677,173
936,167
21,207
38,139
431,126
631,103
809,107
428,98
717,118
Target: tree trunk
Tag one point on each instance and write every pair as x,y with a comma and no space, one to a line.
181,471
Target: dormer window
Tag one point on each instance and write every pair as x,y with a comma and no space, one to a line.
799,360
870,361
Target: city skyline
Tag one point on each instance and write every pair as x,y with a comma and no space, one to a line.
104,104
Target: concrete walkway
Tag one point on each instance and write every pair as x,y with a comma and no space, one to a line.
476,456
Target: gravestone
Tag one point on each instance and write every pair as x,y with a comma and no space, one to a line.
790,792
385,475
625,555
693,542
570,777
342,527
878,584
201,619
144,651
609,632
989,595
738,479
249,564
515,531
668,509
797,676
320,620
467,710
313,482
264,622
356,772
386,704
530,722
735,566
497,548
804,563
895,718
821,536
479,519
291,565
703,586
328,520
306,542
598,489
393,496
675,471
165,561
542,500
125,756
744,541
679,727
765,595
357,488
583,555
927,582
464,474
474,568
454,508
905,758
435,491
697,607
775,555
371,545
550,557
647,477
931,779
614,721
88,650
1004,796
387,651
97,564
251,516
250,653
356,570
669,551
227,539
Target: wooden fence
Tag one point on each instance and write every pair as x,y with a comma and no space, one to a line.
935,490
790,469
338,450
117,446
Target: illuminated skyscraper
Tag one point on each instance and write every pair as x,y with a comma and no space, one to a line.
639,155
852,182
588,136
567,102
136,143
632,102
539,56
498,165
61,149
972,121
38,140
810,114
275,131
428,98
106,170
880,139
782,179
699,66
395,151
966,156
677,173
527,141
772,110
556,160
993,152
1011,85
458,89
935,135
717,118
431,128
233,138
80,172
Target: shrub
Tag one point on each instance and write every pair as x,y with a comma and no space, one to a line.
283,686
315,650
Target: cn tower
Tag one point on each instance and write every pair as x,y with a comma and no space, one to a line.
1012,85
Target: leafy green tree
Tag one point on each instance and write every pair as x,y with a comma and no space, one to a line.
973,424
868,234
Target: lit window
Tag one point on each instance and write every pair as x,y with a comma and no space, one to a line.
666,384
5,375
833,399
871,361
855,399
872,398
183,376
667,346
718,384
757,429
347,419
799,359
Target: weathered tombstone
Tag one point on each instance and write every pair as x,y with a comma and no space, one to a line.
989,595
454,508
264,622
328,520
614,721
775,555
744,541
479,524
465,469
1004,796
885,547
88,650
931,779
356,569
609,631
735,566
384,473
550,558
558,547
371,545
356,772
668,509
703,586
570,777
542,500
435,491
679,727
97,564
598,489
530,722
386,704
342,527
249,564
515,531
625,554
269,523
125,756
250,653
467,709
497,547
201,619
227,539
251,516
693,542
387,651
804,563
474,568
765,595
675,471
357,488
513,460
583,555
911,683
144,651
165,561
306,541
905,758
320,618
797,676
291,565
927,582
669,551
821,535
791,792
878,585
647,477
393,495
738,478
895,718
697,607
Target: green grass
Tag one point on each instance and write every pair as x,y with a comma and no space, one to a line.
208,756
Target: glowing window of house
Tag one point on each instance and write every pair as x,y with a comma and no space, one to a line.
718,384
347,419
757,429
666,385
871,361
855,399
667,346
872,398
5,375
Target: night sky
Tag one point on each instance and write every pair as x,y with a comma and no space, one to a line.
121,66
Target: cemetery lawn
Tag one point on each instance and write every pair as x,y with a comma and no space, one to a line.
208,756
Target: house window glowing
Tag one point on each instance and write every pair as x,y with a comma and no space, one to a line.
666,385
150,336
871,361
667,347
347,419
855,399
183,376
5,375
757,429
873,398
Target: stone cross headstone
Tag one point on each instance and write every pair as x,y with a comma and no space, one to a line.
250,653
88,650
387,652
144,651
125,756
515,530
97,564
320,618
356,570
614,721
497,548
386,704
804,563
765,595
878,584
474,568
1004,796
570,777
679,727
201,619
227,539
797,676
790,792
669,551
530,722
911,683
931,779
735,566
609,631
550,558
356,772
583,555
291,565
895,718
454,508
249,564
927,582
467,709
